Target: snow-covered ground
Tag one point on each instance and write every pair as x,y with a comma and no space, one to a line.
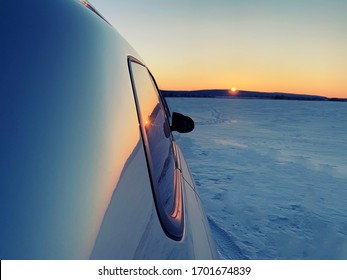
272,175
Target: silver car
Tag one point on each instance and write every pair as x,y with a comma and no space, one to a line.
89,165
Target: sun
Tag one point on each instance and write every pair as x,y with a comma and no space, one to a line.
233,90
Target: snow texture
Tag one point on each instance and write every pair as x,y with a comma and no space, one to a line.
272,175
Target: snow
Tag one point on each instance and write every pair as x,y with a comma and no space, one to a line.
272,175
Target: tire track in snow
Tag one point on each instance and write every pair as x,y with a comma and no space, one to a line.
226,245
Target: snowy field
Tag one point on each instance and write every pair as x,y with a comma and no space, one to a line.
272,175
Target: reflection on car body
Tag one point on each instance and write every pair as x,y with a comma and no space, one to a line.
89,166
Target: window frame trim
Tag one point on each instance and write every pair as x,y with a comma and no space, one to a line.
172,224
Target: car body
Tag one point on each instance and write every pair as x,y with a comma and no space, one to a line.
89,166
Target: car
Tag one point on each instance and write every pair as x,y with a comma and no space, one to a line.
89,165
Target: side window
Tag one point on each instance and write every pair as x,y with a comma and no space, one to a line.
155,128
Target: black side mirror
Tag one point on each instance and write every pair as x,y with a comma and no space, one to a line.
181,123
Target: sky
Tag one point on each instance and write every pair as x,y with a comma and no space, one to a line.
297,46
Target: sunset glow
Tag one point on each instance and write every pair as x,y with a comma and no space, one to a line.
272,46
233,91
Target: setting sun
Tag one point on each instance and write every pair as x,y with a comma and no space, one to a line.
233,90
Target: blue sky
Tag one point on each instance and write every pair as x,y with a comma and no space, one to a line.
291,46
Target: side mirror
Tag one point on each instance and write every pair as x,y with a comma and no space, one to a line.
181,123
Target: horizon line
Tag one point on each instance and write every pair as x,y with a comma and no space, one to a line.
255,91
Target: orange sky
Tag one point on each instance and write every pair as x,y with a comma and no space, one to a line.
286,46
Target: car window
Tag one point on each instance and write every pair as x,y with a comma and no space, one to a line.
160,150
